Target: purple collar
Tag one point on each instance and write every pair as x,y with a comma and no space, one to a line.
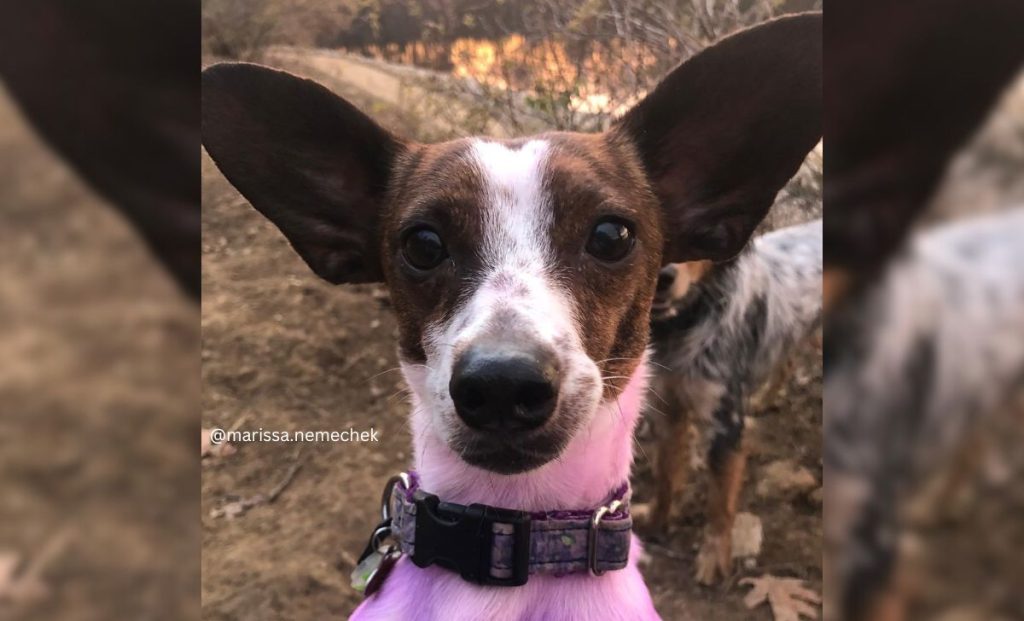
503,547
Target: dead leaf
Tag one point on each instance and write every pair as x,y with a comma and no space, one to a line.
26,585
9,562
237,508
969,613
747,536
23,590
208,449
785,478
788,598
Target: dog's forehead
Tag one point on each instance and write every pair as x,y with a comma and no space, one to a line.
552,168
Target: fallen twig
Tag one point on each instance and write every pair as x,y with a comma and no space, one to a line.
287,480
239,507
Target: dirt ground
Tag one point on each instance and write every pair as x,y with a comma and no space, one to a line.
283,350
99,382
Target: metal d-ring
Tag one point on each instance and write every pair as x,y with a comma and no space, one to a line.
595,524
380,533
385,499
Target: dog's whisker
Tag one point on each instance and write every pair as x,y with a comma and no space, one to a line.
420,441
650,407
640,448
638,359
655,393
616,359
618,406
462,457
386,371
658,364
407,392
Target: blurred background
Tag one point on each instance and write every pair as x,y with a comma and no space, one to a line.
924,292
456,67
99,325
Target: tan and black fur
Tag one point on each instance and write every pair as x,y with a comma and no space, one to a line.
722,335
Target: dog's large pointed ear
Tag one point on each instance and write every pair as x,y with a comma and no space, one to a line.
308,160
725,131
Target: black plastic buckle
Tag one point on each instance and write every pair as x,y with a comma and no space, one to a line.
460,538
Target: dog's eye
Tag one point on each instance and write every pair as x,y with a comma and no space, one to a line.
423,249
611,240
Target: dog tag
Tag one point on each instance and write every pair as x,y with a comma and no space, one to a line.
370,573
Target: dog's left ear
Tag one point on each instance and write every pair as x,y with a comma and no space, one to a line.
725,131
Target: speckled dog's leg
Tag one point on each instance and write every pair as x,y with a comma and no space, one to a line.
672,466
727,463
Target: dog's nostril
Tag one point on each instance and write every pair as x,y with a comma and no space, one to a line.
471,396
535,394
504,388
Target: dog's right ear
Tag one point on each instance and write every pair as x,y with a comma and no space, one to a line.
308,160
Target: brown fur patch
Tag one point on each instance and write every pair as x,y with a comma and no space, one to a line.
724,490
889,605
672,467
433,185
688,273
723,497
590,177
835,283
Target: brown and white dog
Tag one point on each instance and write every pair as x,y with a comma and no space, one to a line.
522,273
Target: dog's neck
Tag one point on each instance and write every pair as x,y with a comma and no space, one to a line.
595,462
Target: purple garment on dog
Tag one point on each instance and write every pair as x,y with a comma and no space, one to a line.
559,540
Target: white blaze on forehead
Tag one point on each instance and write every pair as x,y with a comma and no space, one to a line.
516,212
517,276
517,290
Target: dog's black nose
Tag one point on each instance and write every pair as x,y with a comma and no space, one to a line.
505,387
666,277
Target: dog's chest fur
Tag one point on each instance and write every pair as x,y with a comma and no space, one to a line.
435,594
